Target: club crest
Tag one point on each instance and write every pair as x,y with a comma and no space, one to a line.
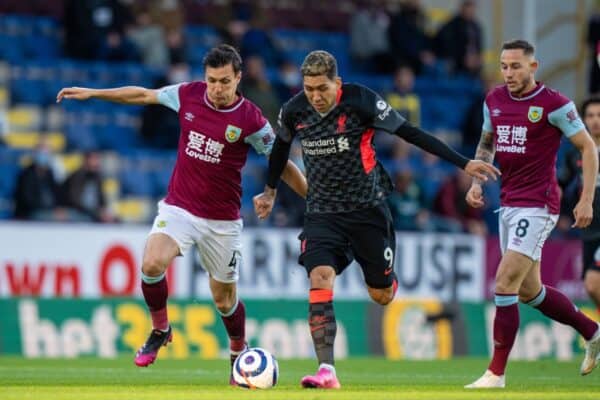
535,113
232,133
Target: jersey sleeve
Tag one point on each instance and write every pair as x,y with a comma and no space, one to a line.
284,128
168,96
566,119
262,140
487,122
377,110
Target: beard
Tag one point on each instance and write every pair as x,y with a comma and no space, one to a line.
522,87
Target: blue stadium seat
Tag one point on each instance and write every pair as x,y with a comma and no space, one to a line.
135,182
8,179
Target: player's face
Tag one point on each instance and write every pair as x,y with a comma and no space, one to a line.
592,119
321,91
518,71
222,83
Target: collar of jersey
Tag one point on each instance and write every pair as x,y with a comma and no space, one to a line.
529,95
231,108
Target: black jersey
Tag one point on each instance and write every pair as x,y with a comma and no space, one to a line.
573,170
342,170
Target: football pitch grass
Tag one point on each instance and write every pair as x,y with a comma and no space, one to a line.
361,378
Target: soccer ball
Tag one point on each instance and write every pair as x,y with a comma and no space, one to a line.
255,368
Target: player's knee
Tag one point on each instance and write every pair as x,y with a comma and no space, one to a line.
507,284
382,296
224,302
322,277
591,284
153,266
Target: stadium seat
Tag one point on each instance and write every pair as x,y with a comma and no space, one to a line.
28,140
136,182
134,209
25,118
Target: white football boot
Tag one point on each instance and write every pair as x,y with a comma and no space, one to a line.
592,354
488,381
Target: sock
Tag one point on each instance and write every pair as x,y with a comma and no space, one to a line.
235,324
321,320
156,292
506,324
557,306
394,285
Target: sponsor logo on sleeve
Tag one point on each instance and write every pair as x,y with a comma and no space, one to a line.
572,116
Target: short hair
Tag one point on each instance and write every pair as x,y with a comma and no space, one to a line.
588,102
519,44
319,62
222,55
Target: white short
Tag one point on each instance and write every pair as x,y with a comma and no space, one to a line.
525,229
218,242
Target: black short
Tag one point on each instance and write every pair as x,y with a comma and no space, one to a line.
335,239
591,256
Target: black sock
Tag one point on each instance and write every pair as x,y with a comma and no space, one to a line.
321,320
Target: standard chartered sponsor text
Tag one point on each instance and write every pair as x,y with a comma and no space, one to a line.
319,147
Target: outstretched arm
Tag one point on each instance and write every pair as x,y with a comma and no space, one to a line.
476,168
485,152
583,211
126,95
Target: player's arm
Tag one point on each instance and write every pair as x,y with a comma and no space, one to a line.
125,95
278,161
485,152
583,211
386,118
566,119
262,141
295,178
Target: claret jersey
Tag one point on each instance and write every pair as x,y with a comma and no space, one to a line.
527,133
213,146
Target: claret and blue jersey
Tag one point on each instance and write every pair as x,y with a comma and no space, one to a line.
527,133
213,146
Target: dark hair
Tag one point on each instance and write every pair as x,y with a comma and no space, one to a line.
319,62
521,44
221,56
588,102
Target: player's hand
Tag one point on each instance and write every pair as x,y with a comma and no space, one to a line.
263,204
75,93
583,213
482,170
475,196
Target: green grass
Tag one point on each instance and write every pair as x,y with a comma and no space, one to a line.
361,378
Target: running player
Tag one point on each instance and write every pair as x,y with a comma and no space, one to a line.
202,206
347,216
523,125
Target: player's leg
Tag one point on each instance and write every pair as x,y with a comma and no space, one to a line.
591,282
159,252
554,304
514,267
323,327
591,270
169,237
373,242
219,245
324,254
